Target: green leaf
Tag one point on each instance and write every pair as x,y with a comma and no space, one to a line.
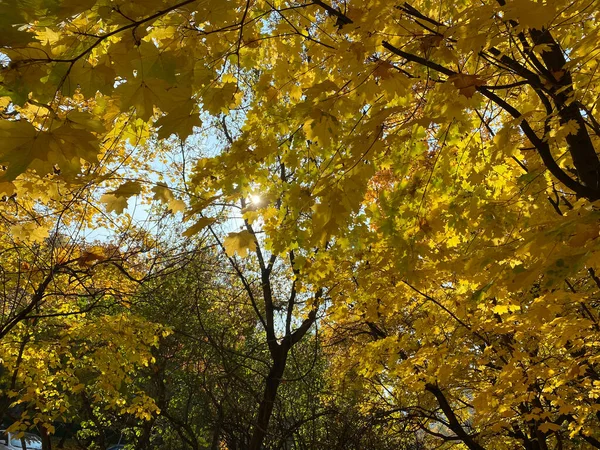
90,78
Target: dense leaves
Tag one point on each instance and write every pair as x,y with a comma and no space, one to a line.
413,186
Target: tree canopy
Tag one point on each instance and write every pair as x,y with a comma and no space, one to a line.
409,189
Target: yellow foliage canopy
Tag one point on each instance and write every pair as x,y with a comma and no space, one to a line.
433,165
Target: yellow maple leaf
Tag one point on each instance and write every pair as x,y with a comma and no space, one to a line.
239,243
501,309
89,257
177,205
29,232
23,147
143,96
466,84
548,426
164,195
16,149
221,98
114,203
89,78
128,189
529,13
570,128
117,200
181,121
198,226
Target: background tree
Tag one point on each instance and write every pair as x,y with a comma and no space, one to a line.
210,370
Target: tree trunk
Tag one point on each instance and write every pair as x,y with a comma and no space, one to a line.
216,439
144,440
265,409
61,443
46,443
579,143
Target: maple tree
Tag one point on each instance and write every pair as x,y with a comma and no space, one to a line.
69,344
426,172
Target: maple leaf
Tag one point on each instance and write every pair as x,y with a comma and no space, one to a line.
221,98
430,41
68,8
322,126
530,13
68,145
200,224
22,147
466,84
117,200
239,243
570,128
328,86
128,189
86,121
6,189
501,309
89,257
17,148
143,95
165,195
180,121
11,35
29,232
89,78
162,193
114,203
548,426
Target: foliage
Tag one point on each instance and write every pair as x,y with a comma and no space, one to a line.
422,178
69,345
210,369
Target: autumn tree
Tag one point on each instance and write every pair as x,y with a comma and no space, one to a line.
427,171
69,343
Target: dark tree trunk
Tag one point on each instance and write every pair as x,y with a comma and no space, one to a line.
579,143
61,443
267,403
46,442
144,440
216,439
